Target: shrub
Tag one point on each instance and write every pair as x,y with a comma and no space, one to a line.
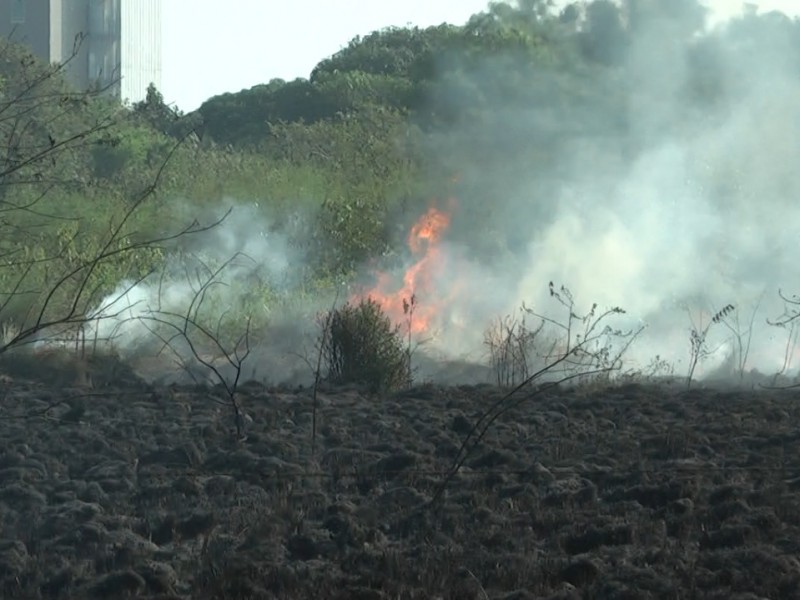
359,344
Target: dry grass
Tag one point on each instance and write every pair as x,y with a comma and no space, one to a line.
514,347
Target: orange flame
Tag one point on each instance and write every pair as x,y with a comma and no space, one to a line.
413,301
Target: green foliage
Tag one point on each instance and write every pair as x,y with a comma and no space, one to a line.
374,145
352,91
155,113
366,161
73,166
393,68
341,161
35,262
131,148
360,345
242,119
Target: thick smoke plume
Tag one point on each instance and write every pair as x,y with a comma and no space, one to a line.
668,204
650,196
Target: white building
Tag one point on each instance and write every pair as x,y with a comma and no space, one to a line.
118,41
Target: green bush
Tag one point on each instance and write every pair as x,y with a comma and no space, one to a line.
361,345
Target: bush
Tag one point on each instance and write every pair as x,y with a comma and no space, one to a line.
361,345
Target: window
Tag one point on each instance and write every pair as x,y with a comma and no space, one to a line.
17,11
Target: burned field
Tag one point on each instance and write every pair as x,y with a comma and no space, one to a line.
630,492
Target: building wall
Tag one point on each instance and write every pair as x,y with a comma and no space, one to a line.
141,47
104,44
34,30
69,20
117,43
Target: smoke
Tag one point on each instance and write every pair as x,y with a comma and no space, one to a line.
665,185
671,193
242,268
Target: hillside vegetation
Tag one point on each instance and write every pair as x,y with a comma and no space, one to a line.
344,159
336,167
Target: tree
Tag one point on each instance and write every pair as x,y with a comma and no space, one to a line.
60,253
242,119
393,52
43,122
165,119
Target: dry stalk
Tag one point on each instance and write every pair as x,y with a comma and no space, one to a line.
585,352
326,330
186,327
787,321
698,339
743,337
511,345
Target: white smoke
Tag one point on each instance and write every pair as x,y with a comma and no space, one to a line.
695,210
218,273
672,214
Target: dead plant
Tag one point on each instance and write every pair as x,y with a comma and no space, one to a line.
788,321
512,344
698,339
585,347
187,328
742,336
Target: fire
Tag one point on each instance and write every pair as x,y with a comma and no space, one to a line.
414,300
428,230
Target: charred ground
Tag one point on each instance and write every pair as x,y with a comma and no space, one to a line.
635,491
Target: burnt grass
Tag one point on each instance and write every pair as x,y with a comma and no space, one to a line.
129,490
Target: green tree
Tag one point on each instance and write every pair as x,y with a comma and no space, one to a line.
66,237
167,120
242,119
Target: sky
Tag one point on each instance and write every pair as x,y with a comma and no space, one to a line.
210,48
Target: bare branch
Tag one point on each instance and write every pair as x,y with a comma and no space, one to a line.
598,362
